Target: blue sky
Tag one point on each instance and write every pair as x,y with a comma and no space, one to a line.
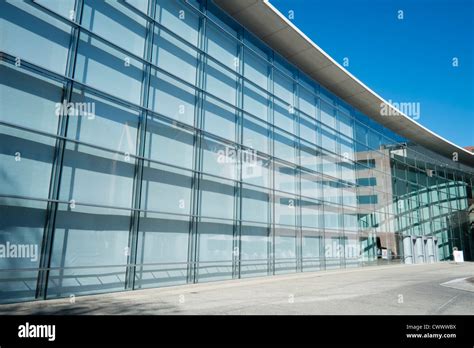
407,60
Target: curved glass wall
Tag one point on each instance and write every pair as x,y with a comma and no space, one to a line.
153,144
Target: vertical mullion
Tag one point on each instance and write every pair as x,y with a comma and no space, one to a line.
193,244
237,238
53,195
132,254
299,218
270,120
322,222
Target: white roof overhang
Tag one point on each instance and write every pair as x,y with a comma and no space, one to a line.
267,23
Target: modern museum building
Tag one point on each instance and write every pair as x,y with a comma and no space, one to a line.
149,143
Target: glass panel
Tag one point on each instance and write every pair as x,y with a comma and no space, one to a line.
285,146
222,47
171,98
21,229
222,19
285,178
307,102
142,5
285,250
333,249
310,213
346,148
255,101
255,248
115,23
256,170
25,163
373,140
217,198
283,87
311,185
94,176
331,191
215,250
329,165
29,100
308,83
312,250
162,136
174,56
178,18
283,116
309,155
285,209
219,118
22,23
361,133
255,69
220,83
256,45
348,171
346,125
166,189
308,129
255,204
162,250
90,245
256,134
121,123
62,7
349,196
328,139
219,158
328,115
283,66
106,69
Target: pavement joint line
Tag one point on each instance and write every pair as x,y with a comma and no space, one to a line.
446,303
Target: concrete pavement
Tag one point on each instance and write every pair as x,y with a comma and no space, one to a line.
396,289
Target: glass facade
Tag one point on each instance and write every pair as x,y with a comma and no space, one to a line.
153,143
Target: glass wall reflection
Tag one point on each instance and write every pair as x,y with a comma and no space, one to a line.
202,155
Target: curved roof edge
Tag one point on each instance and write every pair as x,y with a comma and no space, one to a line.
272,27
